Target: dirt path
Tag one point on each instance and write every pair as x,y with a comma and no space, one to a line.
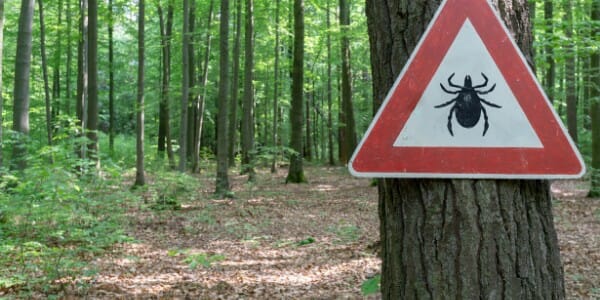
277,241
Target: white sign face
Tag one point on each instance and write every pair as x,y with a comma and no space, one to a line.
427,126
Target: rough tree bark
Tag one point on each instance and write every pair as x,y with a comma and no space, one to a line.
595,106
222,180
462,239
296,169
248,104
140,178
21,84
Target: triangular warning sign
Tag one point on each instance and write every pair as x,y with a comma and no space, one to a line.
466,105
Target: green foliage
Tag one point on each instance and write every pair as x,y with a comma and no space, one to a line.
196,259
306,241
371,286
169,188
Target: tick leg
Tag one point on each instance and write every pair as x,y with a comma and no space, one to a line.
450,121
483,84
485,119
452,84
490,103
488,91
447,91
445,104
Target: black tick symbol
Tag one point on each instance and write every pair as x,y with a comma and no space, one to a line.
468,105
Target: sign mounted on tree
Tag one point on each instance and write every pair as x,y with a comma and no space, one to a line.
466,105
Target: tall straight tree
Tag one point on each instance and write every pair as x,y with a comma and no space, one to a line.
191,68
1,98
21,85
550,75
595,104
463,239
276,86
57,61
45,73
92,107
164,118
69,59
82,74
140,178
185,87
348,127
296,169
235,91
329,90
248,105
111,79
571,92
222,181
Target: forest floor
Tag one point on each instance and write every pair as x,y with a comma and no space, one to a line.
276,241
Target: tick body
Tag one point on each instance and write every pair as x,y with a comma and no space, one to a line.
468,106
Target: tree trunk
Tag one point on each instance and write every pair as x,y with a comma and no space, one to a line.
69,60
248,105
595,106
571,93
1,98
111,79
222,180
276,90
82,75
308,143
191,67
463,239
202,95
92,109
21,85
329,91
45,73
185,87
296,170
348,143
140,178
233,104
549,78
164,115
57,60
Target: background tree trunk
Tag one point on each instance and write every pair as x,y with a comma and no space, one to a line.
92,109
21,85
348,127
111,80
275,132
233,104
296,169
595,106
571,92
463,239
82,74
45,73
1,98
140,178
56,80
69,60
329,90
248,106
222,181
185,87
549,78
164,115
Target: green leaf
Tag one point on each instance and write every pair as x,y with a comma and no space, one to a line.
371,286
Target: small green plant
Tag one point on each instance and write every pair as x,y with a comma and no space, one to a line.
371,286
307,241
346,232
202,259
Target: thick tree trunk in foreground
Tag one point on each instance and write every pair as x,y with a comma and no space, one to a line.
595,107
21,86
222,181
140,178
296,170
458,239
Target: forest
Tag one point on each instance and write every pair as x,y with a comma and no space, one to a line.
198,148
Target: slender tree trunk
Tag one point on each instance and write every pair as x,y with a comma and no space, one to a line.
549,78
111,79
92,109
191,67
222,180
595,105
82,75
463,239
296,169
329,90
69,61
21,85
56,73
185,88
45,73
202,96
276,89
1,98
164,127
233,104
308,120
347,112
248,107
140,178
571,92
